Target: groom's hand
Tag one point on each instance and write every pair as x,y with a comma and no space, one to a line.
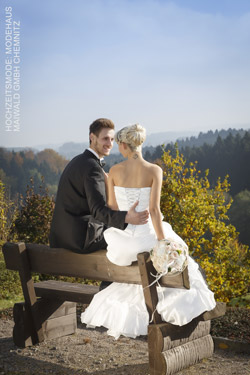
136,218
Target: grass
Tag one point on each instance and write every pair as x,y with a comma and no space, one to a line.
9,303
243,301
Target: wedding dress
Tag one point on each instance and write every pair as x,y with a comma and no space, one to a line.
120,307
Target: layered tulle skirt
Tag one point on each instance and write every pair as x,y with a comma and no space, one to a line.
121,307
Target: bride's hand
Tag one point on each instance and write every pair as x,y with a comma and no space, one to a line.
136,218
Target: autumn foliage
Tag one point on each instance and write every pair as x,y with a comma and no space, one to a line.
5,208
198,213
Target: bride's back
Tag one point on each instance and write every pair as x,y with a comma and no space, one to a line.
134,173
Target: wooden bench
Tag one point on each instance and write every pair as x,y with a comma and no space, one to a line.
49,309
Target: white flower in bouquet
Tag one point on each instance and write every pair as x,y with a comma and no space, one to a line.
169,256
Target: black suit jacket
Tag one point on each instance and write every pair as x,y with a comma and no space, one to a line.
80,210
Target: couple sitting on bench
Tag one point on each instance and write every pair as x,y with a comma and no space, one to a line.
120,212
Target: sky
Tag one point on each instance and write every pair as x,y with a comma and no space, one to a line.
181,65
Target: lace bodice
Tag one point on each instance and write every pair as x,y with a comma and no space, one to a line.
126,197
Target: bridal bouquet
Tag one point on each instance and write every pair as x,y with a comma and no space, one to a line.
169,257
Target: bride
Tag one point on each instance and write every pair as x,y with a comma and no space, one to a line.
120,307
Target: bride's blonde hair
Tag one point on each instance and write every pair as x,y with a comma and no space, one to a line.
133,135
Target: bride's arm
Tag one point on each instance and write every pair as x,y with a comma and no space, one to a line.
111,200
154,204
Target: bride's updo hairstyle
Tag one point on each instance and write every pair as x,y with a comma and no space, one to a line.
133,136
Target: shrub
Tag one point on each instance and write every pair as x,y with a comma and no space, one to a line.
10,285
198,213
6,214
32,223
9,280
228,271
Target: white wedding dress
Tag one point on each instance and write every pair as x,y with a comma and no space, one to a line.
120,307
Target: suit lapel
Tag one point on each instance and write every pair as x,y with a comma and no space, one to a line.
90,155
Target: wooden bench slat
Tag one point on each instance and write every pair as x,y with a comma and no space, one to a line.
95,266
66,291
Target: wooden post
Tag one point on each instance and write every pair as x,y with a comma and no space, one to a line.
35,328
157,363
150,292
185,278
57,318
22,328
173,348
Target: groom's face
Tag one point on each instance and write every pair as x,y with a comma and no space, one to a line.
103,143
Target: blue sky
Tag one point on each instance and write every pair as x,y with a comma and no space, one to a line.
171,65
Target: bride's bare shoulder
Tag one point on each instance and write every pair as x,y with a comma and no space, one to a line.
117,167
154,168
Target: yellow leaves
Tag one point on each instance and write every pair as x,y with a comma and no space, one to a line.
198,214
228,271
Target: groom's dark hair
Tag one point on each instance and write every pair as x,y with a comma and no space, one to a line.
99,124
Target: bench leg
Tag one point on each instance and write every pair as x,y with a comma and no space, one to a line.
150,292
22,331
36,331
173,348
57,319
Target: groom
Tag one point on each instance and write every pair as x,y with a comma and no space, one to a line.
81,214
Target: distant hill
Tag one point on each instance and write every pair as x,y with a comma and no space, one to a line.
228,154
71,149
156,139
152,153
184,138
209,137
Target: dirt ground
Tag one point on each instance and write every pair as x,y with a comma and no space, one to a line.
93,352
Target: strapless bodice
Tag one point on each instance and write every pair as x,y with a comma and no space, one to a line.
126,197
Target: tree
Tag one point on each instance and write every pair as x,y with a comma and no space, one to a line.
52,159
32,224
239,214
16,169
198,213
